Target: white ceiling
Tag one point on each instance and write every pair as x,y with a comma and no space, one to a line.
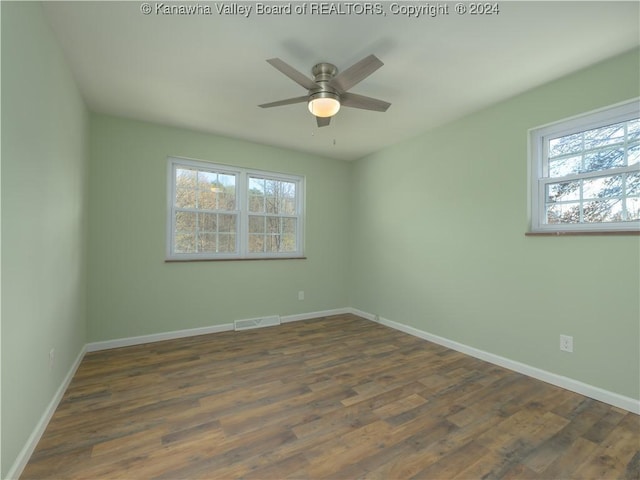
208,72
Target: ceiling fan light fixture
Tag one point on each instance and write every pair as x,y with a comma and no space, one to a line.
329,89
324,104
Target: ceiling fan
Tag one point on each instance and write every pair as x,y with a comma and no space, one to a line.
329,89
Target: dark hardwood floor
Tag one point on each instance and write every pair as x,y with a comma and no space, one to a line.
336,398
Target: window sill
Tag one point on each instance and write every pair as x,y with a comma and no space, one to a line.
584,233
189,260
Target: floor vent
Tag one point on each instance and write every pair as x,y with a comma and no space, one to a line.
256,323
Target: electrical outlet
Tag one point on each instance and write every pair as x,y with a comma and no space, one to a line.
566,343
301,295
52,355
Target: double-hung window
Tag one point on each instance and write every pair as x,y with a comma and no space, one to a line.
585,172
224,212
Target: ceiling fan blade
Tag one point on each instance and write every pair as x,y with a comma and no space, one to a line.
354,100
323,121
288,101
300,78
356,73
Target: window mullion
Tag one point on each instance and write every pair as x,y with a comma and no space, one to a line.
243,218
594,174
581,204
624,191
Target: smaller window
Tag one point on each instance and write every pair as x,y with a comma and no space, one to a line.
585,172
218,212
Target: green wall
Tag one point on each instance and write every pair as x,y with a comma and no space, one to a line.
438,241
132,291
44,151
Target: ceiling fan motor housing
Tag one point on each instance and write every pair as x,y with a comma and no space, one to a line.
322,75
323,72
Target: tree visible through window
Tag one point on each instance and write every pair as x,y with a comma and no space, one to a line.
586,172
272,215
205,211
218,211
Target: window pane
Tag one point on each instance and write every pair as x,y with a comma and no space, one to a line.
633,209
565,166
207,188
272,190
565,145
185,198
185,188
227,181
633,154
256,185
272,243
603,159
270,187
289,225
563,213
186,177
226,243
602,187
185,222
207,242
288,240
256,224
603,136
633,129
207,191
603,211
289,206
288,243
185,243
256,243
226,192
256,195
271,204
273,224
207,222
288,198
207,198
227,223
562,192
256,203
227,199
633,183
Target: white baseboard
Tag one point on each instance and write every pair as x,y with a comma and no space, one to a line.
597,393
192,332
25,454
310,315
157,337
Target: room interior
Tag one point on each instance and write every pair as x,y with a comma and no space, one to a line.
415,217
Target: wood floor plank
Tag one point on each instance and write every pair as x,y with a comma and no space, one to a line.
452,463
555,462
334,397
614,454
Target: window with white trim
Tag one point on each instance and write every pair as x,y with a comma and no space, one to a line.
224,212
585,172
